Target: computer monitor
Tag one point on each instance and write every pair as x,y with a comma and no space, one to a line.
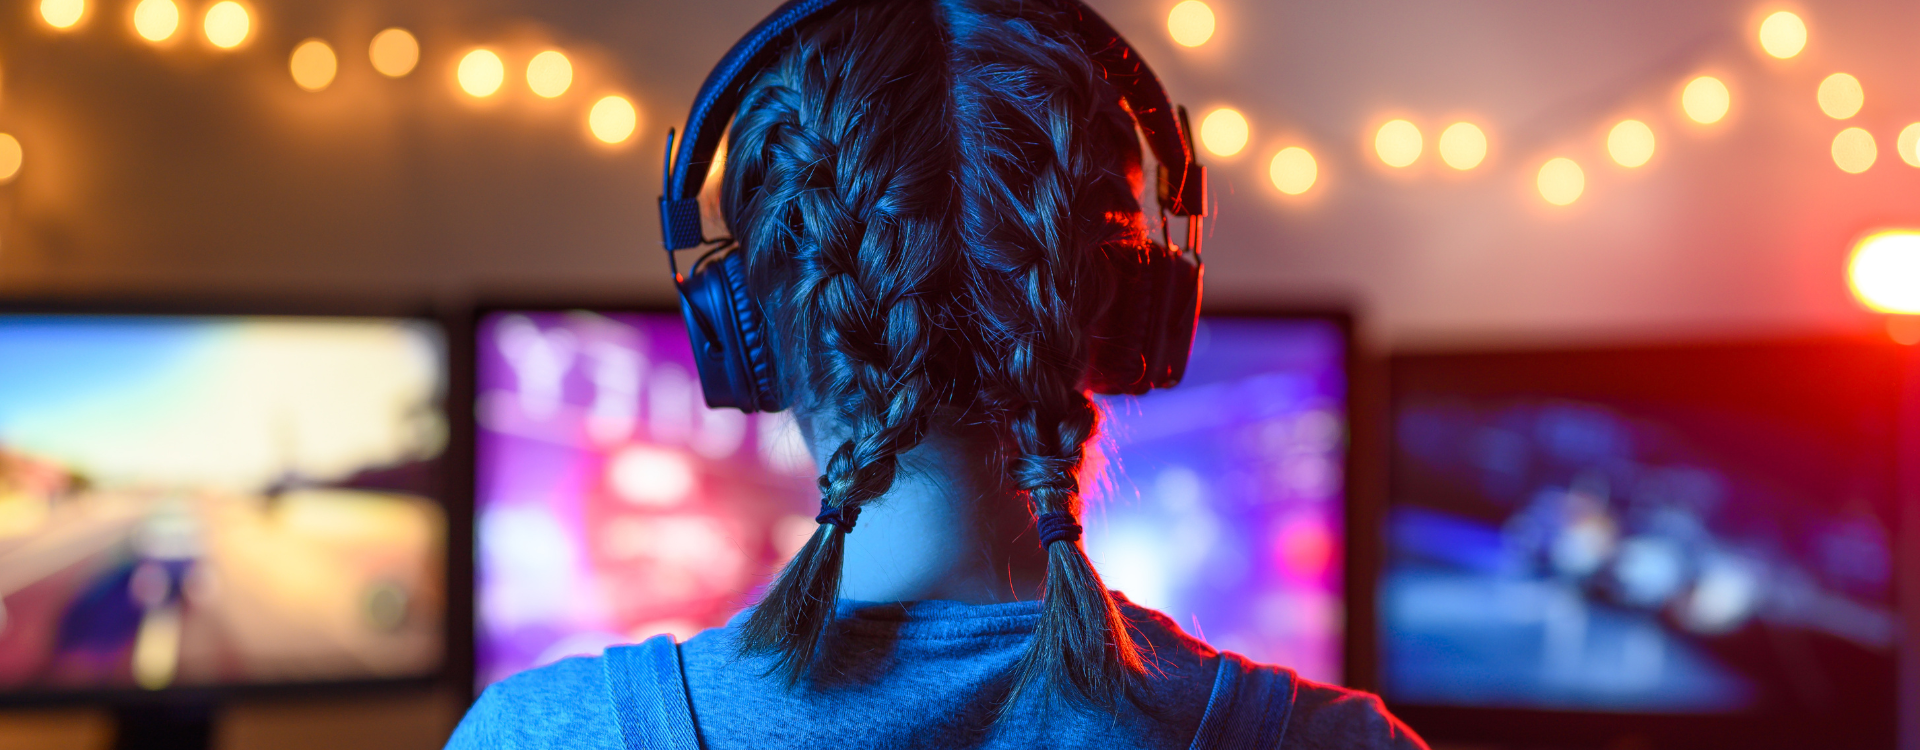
209,503
1682,543
612,504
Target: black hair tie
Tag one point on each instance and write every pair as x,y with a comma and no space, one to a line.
842,517
1058,526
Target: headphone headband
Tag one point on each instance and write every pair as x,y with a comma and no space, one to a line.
1182,180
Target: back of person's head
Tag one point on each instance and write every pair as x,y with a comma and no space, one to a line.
934,199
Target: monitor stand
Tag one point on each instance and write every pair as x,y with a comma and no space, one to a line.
163,726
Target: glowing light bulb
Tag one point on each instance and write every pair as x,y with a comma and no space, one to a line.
1908,144
1463,145
1840,96
1854,150
1706,100
227,24
1398,143
613,119
1630,143
1224,132
1885,271
1293,170
481,73
1561,182
1783,35
549,74
156,20
313,65
11,155
62,14
394,52
1190,23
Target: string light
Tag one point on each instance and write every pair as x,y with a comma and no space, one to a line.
1783,35
394,52
1706,100
1854,150
156,20
1885,271
1398,143
227,24
313,65
613,119
1293,170
1190,23
11,155
1630,143
62,14
1908,144
1463,145
481,73
1560,181
549,74
1224,131
1840,96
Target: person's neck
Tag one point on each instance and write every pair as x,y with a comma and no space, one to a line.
948,529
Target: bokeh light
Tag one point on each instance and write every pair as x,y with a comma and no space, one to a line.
11,156
156,20
1190,23
1706,100
1840,96
549,74
313,65
1908,144
481,73
1561,182
394,52
613,119
62,14
1854,150
1630,143
1293,170
227,24
1783,35
1224,132
1463,145
1885,271
1398,143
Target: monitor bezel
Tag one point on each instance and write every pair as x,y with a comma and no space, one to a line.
454,475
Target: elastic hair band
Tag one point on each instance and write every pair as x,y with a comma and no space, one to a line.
842,517
1058,526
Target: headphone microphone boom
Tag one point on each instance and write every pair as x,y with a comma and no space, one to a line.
1140,343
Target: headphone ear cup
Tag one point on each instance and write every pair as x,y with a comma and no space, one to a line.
731,347
1142,341
1179,316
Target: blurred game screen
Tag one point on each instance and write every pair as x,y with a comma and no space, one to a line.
1702,531
612,504
219,501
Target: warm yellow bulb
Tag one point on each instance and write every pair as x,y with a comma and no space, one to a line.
227,24
1706,100
613,119
62,14
313,65
394,52
481,73
549,74
1293,170
1630,143
1885,271
1561,182
1840,96
1224,132
156,20
1854,150
1463,145
1398,143
1908,144
10,157
1783,35
1191,23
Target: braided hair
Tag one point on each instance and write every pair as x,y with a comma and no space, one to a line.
933,197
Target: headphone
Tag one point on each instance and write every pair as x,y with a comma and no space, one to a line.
1139,344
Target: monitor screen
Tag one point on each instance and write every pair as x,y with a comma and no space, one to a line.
612,504
219,501
1681,531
